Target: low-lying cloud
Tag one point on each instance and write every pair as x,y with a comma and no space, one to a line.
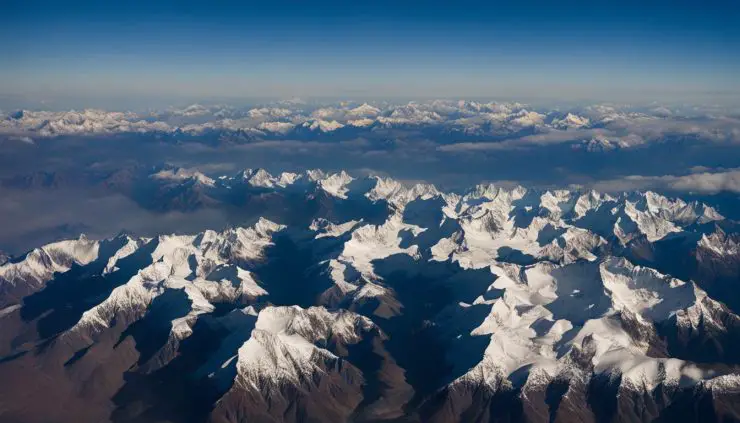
702,182
453,144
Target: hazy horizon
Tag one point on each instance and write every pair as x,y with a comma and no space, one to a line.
113,54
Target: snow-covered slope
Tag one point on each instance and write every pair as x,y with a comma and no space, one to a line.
597,127
437,309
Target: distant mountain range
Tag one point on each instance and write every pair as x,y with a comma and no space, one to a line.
593,128
348,299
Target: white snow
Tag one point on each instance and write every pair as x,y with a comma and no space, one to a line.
565,283
372,242
282,345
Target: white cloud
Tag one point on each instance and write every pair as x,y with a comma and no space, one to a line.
704,182
547,138
707,182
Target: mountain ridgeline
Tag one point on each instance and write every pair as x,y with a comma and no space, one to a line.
366,300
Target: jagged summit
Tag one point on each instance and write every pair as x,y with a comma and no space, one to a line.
375,300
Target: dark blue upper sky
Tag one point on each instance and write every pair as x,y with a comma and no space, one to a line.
172,50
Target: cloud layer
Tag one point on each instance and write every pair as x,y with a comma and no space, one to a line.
75,157
701,182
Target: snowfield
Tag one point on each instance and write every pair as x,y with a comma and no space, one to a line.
514,290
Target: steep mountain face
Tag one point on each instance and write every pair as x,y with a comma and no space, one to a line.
365,300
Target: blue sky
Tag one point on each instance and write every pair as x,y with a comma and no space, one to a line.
102,51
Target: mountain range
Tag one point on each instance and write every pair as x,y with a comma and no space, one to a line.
593,128
346,299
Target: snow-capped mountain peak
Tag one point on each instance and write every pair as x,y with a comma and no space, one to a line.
380,300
